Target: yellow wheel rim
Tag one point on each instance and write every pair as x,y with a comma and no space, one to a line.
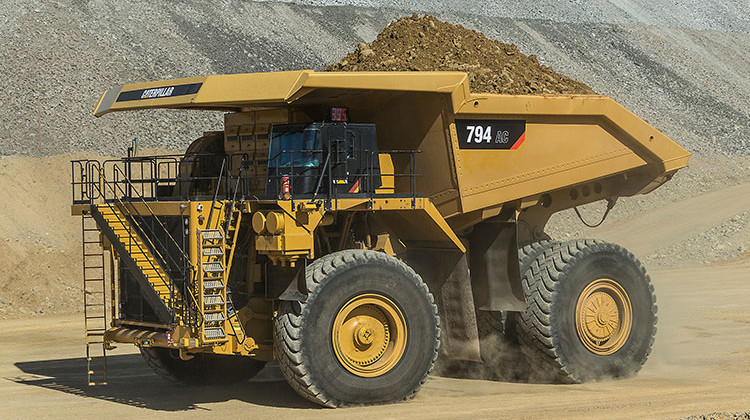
604,317
369,335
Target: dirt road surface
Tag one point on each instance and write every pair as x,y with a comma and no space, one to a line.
701,364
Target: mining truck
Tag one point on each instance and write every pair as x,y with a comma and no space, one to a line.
352,227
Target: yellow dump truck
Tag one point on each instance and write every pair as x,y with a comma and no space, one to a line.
351,227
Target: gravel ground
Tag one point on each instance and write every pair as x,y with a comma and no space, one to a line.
720,415
720,15
727,241
683,68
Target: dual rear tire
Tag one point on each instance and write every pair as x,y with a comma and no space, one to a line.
590,312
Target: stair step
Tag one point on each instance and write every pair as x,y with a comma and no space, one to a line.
213,300
214,333
213,267
213,284
211,234
212,251
215,317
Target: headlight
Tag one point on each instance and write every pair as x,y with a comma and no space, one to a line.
275,223
259,222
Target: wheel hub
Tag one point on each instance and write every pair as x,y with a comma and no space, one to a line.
364,335
369,335
604,316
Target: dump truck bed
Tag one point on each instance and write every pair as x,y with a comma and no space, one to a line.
566,140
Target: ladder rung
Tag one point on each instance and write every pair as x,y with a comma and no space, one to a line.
94,279
212,284
93,266
97,383
213,267
97,372
211,234
94,333
95,317
212,251
214,333
213,300
96,357
214,317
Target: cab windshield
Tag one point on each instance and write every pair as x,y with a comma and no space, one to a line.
294,145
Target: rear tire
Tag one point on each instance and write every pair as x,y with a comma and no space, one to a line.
591,313
312,350
202,369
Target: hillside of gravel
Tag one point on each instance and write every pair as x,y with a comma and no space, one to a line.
724,15
683,67
425,43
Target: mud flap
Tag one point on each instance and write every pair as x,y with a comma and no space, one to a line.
447,275
495,274
287,283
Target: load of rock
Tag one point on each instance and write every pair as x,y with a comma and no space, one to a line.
426,43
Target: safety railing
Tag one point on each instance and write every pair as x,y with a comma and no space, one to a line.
229,176
127,216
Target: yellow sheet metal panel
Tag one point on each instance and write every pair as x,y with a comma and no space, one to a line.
275,89
418,122
248,89
552,156
428,81
567,140
625,125
158,94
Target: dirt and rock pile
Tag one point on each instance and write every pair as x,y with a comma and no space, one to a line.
426,43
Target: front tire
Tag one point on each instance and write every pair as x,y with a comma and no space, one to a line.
368,332
591,313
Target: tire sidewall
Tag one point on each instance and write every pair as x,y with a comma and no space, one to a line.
597,262
403,287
